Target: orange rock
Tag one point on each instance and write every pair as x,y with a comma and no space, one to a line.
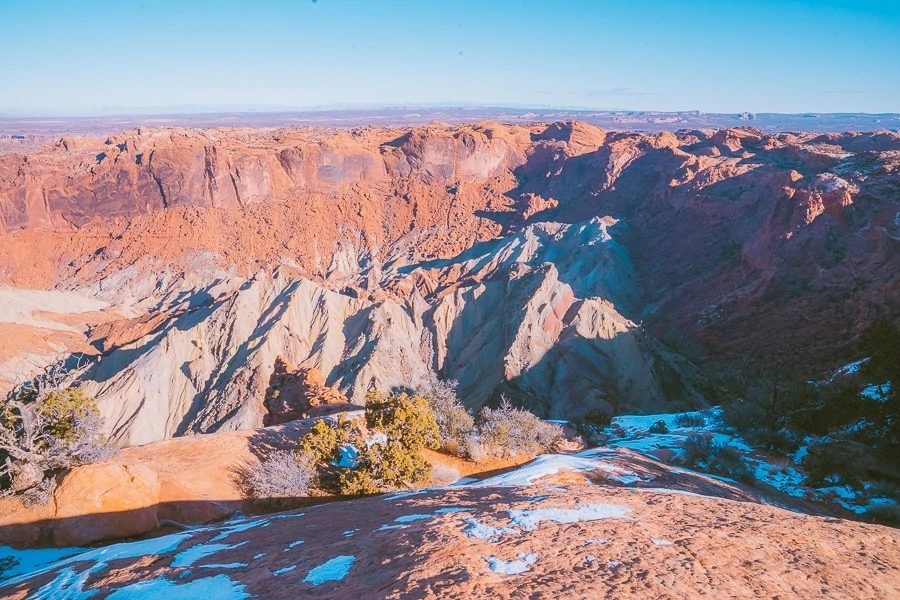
105,501
293,392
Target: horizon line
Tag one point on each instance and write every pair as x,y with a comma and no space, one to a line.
211,109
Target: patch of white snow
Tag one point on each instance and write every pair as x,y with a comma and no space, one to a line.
333,570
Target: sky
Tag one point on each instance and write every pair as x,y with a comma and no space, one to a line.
790,56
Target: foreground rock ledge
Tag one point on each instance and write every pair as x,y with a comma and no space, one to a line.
557,539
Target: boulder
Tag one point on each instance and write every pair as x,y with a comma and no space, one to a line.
294,392
105,501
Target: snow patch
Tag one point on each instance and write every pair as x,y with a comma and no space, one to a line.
878,393
239,526
477,529
530,519
333,570
188,557
387,527
219,587
29,560
124,550
411,518
398,495
68,585
511,567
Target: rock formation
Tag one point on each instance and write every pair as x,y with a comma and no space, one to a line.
568,535
293,393
566,266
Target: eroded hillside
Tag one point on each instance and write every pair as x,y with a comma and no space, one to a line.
565,265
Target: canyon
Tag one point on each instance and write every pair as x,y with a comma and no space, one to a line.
563,265
219,290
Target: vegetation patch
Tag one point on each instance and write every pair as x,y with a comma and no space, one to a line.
47,426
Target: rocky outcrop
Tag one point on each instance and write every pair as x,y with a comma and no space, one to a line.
565,534
294,393
185,481
105,501
89,504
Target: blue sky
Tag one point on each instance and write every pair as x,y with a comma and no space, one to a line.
714,56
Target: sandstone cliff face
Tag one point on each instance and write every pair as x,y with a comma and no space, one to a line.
541,261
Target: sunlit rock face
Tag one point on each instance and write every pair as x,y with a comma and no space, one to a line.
564,266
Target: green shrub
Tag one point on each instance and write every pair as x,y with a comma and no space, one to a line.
659,427
690,420
597,417
322,442
64,410
385,466
702,453
46,427
827,464
400,426
404,418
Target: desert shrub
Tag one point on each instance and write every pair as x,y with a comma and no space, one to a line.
826,464
323,441
882,488
45,427
389,455
511,431
697,449
442,474
282,475
883,514
690,420
743,414
454,422
880,341
592,425
780,442
659,427
597,417
701,452
727,461
474,449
